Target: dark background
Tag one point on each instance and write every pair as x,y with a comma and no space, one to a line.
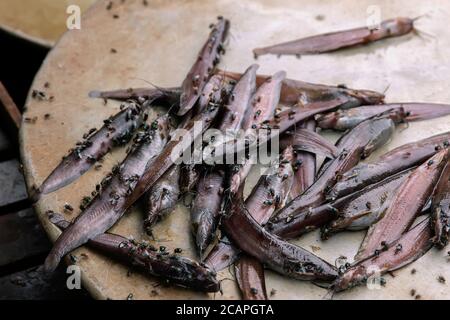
19,62
23,243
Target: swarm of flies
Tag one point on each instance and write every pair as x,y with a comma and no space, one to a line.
386,197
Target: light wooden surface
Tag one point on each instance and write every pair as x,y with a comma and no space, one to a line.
159,43
40,21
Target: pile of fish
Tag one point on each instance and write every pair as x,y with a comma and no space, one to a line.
291,198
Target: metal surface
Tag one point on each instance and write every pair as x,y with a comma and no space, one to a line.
158,43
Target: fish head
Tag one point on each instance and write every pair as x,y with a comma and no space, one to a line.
327,120
399,26
191,274
352,277
365,97
381,130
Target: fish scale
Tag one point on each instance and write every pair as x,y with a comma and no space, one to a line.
101,214
178,270
81,158
407,203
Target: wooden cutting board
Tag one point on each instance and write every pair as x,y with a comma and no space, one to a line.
158,43
40,21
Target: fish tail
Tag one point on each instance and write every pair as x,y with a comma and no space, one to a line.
52,261
258,52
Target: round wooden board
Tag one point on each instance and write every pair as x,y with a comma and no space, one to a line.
39,21
159,43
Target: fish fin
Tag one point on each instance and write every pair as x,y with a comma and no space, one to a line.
362,247
56,218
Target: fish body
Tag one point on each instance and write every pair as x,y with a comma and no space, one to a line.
162,197
270,193
396,160
411,246
203,67
116,130
166,95
360,210
280,256
341,39
299,93
309,141
206,207
206,211
266,197
354,146
171,267
263,105
172,154
304,166
440,208
237,108
105,209
346,119
407,203
250,278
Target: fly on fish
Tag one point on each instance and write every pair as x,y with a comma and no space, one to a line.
292,196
